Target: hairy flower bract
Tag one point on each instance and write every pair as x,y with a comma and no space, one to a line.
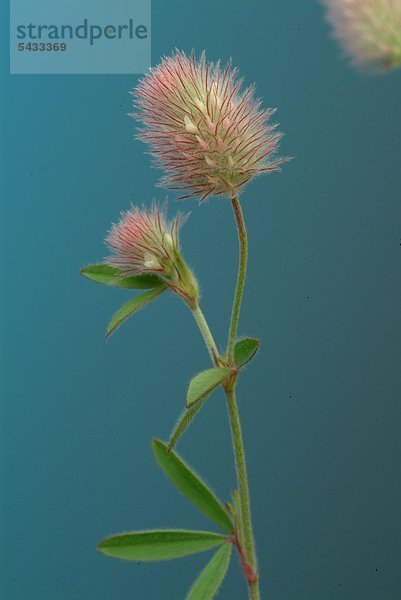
370,30
209,135
144,241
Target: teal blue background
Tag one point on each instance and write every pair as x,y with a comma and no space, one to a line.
320,405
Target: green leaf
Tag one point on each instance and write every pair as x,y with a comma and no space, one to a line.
209,581
204,383
159,545
108,275
190,485
132,307
245,350
183,423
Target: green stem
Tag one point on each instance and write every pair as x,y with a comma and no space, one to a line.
243,258
238,443
235,424
244,497
206,333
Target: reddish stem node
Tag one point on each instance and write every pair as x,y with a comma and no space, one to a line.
250,574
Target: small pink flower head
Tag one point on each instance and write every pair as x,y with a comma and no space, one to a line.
369,30
208,135
144,241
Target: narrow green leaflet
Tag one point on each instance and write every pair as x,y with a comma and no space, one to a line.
183,423
108,275
245,350
159,545
204,383
209,581
132,307
191,486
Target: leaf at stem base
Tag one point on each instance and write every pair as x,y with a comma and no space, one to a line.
159,545
191,485
209,581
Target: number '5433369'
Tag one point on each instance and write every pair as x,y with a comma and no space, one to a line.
42,47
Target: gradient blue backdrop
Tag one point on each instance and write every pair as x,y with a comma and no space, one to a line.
320,405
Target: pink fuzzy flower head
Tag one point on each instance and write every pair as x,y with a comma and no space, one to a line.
369,30
144,241
208,135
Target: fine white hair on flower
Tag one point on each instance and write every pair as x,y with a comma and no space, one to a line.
368,30
208,134
144,241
